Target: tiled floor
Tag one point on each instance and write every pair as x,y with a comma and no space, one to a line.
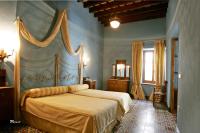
144,118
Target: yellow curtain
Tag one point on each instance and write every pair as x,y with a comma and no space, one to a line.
137,91
62,24
159,65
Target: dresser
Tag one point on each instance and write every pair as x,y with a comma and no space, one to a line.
91,83
6,104
118,85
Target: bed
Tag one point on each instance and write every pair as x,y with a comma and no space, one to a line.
123,99
55,110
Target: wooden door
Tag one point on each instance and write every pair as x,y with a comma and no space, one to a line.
174,76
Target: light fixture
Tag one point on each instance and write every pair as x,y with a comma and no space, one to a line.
114,22
8,46
9,43
85,60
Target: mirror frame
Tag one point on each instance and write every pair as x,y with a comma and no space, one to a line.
115,70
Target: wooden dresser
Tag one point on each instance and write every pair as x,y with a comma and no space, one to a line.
6,104
118,85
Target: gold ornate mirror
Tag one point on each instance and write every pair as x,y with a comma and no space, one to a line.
120,70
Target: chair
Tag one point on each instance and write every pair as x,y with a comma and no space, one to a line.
159,94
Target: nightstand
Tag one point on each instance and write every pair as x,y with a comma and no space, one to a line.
91,83
6,104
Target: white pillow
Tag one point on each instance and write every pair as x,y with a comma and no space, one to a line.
78,87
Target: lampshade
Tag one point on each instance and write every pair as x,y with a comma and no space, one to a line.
86,59
114,23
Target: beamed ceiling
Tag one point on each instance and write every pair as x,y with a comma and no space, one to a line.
126,10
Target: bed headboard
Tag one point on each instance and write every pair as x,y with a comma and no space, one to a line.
48,66
49,72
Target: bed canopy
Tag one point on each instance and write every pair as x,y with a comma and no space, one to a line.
60,24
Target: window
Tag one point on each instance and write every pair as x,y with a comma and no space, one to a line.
148,66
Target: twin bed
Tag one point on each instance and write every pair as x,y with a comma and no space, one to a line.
74,109
60,109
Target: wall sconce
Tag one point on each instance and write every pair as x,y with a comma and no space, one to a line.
9,42
3,55
9,39
86,59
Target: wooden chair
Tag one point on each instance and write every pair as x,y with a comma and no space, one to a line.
159,95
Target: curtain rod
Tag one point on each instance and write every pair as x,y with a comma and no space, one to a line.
150,39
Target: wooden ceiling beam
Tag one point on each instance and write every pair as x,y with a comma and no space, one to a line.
110,5
139,19
143,16
125,8
92,3
135,12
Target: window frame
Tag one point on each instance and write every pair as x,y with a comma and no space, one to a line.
143,71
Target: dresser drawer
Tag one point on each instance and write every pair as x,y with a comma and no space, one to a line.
118,85
112,85
5,95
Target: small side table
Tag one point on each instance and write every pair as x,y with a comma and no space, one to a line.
91,83
6,104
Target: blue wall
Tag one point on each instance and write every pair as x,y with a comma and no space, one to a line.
172,31
117,43
185,26
37,64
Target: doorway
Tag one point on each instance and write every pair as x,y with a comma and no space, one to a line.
174,75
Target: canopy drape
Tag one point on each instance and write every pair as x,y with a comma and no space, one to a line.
159,64
61,23
137,91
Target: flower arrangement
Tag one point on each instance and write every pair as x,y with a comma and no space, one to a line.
3,55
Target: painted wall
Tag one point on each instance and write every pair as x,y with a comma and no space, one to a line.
117,43
187,18
172,31
86,29
38,64
7,31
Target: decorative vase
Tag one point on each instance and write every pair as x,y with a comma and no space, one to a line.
2,77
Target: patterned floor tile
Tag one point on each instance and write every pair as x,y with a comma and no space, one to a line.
142,118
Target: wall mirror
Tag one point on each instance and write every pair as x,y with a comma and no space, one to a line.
121,70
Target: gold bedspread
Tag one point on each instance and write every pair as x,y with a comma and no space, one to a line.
123,99
80,114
